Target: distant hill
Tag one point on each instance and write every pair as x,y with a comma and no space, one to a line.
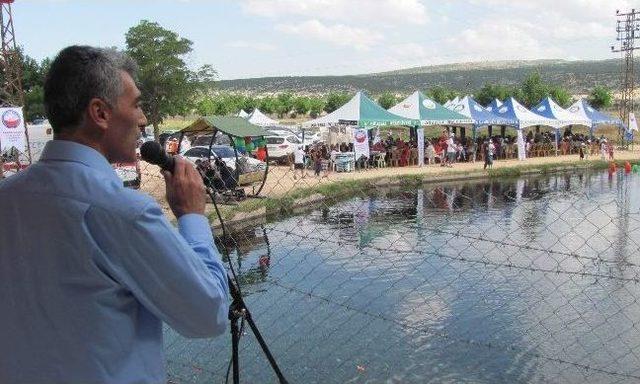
577,76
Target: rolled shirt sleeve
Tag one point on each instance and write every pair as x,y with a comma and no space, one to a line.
176,275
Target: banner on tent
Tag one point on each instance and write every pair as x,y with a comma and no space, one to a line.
420,133
12,129
361,143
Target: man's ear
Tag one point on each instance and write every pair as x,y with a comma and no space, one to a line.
99,113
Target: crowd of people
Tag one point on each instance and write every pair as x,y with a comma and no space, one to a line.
449,148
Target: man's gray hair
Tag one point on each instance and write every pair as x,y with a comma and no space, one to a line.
79,74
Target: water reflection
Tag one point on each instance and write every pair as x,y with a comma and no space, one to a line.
250,253
476,281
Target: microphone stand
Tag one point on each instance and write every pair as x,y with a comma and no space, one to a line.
238,310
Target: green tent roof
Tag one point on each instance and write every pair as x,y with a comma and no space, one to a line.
231,125
418,106
373,114
361,111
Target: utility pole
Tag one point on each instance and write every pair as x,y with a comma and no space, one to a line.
628,30
11,93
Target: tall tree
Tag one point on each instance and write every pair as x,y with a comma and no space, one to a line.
488,92
560,95
440,94
168,86
533,90
336,100
600,97
284,104
387,100
316,105
301,105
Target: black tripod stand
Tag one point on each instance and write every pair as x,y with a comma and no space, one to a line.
238,311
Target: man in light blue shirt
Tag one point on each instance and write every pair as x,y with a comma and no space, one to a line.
89,270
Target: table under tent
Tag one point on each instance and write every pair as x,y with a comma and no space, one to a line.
224,154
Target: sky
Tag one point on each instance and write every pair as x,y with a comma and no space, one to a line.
258,38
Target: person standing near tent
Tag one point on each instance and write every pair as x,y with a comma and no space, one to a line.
431,153
488,156
603,149
451,150
298,162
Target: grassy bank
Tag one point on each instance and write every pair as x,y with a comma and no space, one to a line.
306,198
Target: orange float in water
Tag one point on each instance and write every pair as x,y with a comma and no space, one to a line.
612,167
627,167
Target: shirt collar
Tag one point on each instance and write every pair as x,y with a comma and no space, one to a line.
63,150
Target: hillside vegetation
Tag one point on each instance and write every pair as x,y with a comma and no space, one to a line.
578,77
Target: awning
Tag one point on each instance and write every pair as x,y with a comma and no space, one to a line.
231,125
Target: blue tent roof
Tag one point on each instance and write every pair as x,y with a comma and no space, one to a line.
523,117
480,116
550,109
582,108
494,105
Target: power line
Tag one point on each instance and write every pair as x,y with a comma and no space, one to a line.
627,26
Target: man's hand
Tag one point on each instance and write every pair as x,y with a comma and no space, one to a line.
185,189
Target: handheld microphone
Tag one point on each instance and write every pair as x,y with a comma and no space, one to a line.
152,153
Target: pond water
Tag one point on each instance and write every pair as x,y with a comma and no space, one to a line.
528,280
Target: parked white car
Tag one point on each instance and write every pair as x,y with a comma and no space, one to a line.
281,147
226,154
311,138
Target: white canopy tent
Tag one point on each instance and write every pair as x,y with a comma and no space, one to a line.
524,118
549,108
243,114
258,118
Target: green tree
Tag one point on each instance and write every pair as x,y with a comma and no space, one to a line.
302,105
284,104
387,100
168,86
440,94
316,105
33,76
205,106
267,104
249,104
560,95
600,97
489,92
533,90
34,103
336,100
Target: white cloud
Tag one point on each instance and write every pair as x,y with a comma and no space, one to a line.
508,40
251,45
337,34
380,12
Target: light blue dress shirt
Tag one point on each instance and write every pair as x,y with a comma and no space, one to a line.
89,270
